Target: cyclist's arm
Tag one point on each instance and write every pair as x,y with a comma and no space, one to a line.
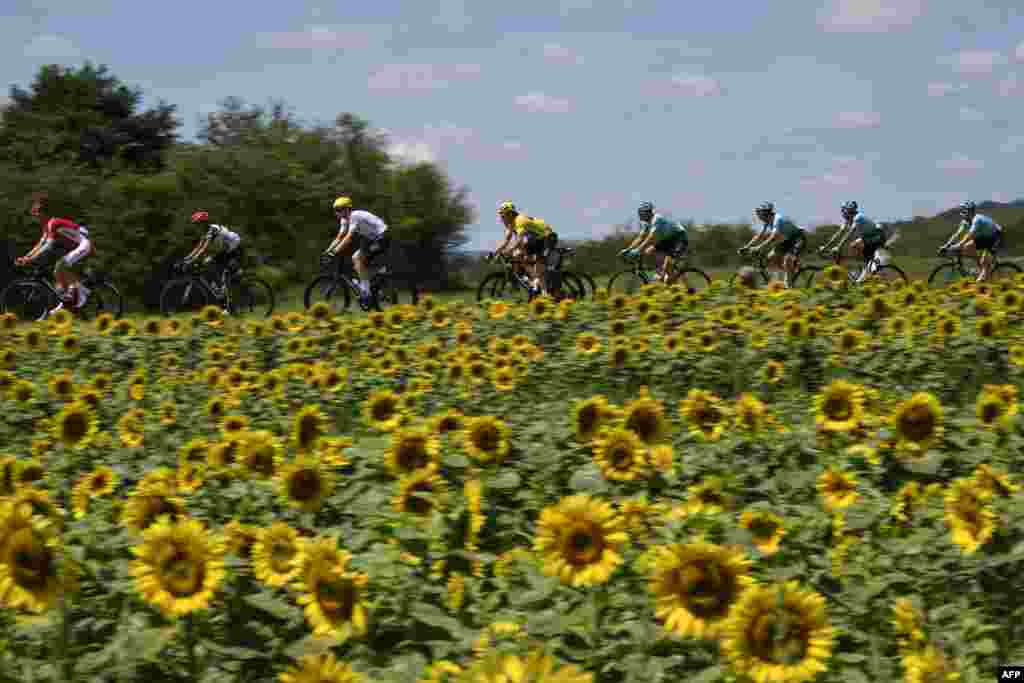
956,235
40,248
198,251
635,244
758,236
854,230
509,235
646,240
837,238
760,240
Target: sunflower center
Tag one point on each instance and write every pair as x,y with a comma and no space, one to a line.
707,589
416,501
486,438
281,555
261,461
778,639
838,408
621,457
383,409
336,598
31,562
583,546
588,418
918,423
304,485
155,507
412,454
763,529
309,431
644,422
991,411
182,573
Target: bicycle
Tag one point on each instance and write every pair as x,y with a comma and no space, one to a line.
33,296
514,283
886,272
633,278
955,268
236,292
335,286
761,267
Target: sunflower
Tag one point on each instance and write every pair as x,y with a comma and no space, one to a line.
918,422
308,427
909,624
191,477
216,409
993,410
838,489
988,327
580,540
29,577
589,416
536,667
907,498
9,466
587,344
929,665
448,422
421,492
411,449
969,515
146,504
694,585
773,372
178,567
261,454
618,354
100,482
194,451
321,668
23,391
751,414
705,413
839,407
708,497
383,411
240,537
779,633
61,386
995,482
74,425
766,530
332,595
621,454
212,316
486,439
645,417
34,340
304,484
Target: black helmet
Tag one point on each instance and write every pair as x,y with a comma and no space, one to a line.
968,208
850,209
645,207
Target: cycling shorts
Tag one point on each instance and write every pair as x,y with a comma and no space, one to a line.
989,242
676,244
793,245
372,247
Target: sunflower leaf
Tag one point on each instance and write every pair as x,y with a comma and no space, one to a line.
505,481
433,616
273,606
855,675
588,479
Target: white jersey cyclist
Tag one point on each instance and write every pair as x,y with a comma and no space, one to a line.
364,224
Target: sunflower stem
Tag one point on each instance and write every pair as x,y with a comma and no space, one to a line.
64,578
190,644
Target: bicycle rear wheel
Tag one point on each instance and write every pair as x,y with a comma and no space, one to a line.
329,290
694,279
385,294
27,299
1005,272
944,275
251,296
570,286
809,276
626,282
185,295
890,274
499,286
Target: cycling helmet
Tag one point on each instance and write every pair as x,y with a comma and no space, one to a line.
968,208
766,209
507,208
342,203
200,217
646,207
850,209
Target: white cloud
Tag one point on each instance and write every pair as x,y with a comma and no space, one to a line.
411,151
51,46
1009,86
942,89
559,53
453,15
960,164
512,146
974,61
1019,54
1013,144
327,38
869,16
402,77
971,114
858,119
840,172
539,102
695,85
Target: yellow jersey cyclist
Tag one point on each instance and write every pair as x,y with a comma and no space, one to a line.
527,237
982,239
869,236
788,237
661,236
368,234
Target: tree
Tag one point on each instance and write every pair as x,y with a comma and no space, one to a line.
84,116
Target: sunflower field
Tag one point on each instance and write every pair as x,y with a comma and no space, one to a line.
770,485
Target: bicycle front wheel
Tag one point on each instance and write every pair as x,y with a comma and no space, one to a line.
809,276
27,299
251,296
385,294
694,279
185,295
104,297
626,282
944,275
499,286
329,290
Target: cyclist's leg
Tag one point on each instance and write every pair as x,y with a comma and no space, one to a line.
678,257
67,275
867,252
857,249
359,263
534,249
981,247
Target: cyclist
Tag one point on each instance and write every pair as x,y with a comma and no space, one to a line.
777,228
369,235
661,236
870,236
228,246
982,239
530,238
71,235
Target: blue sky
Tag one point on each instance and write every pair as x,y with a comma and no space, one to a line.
577,110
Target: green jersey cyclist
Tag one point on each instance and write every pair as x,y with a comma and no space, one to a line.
788,237
660,236
982,239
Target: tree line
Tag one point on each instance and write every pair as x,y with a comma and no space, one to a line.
82,135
